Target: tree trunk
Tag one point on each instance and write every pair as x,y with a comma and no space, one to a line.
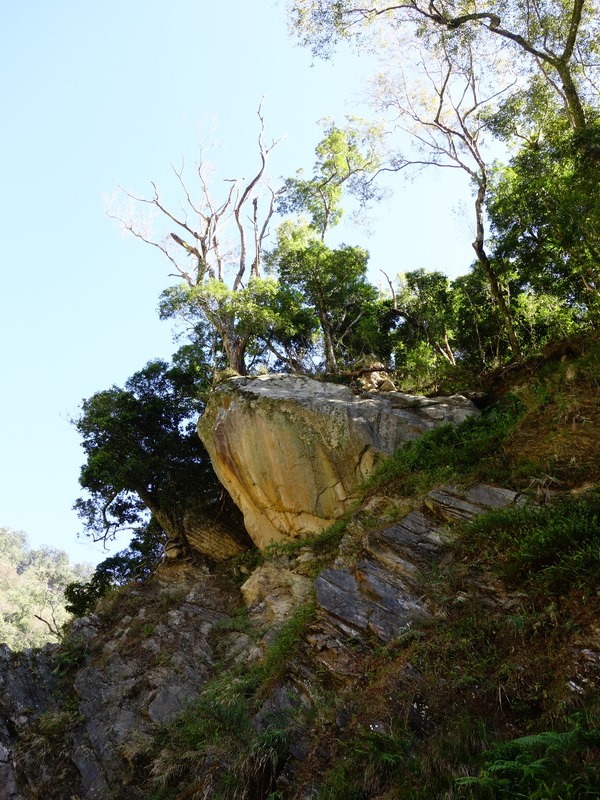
572,100
167,523
482,257
477,332
445,350
235,350
499,298
330,360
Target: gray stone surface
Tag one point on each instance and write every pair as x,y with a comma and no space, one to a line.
27,689
8,786
144,675
455,504
381,593
144,662
138,670
368,599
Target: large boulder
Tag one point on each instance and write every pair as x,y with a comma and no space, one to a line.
292,451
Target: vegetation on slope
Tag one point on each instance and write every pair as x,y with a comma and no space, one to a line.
494,698
491,701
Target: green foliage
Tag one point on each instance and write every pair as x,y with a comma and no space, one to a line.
220,754
545,217
143,452
326,540
424,301
70,656
345,159
448,331
484,674
46,742
450,452
323,546
135,563
480,339
32,586
425,308
551,549
276,662
216,746
262,322
371,761
551,765
334,286
82,597
557,45
542,273
263,318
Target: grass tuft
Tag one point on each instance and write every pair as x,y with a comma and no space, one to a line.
449,452
549,549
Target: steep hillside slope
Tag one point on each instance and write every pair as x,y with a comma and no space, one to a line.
440,640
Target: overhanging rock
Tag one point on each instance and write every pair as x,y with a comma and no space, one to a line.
292,451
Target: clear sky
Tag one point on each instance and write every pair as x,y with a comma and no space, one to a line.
97,93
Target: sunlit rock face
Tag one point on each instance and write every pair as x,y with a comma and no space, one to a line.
292,451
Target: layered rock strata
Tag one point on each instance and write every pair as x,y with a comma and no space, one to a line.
382,592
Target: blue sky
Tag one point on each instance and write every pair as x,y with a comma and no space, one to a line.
96,94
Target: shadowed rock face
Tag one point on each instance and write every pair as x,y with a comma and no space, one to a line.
383,592
219,535
28,689
292,451
131,674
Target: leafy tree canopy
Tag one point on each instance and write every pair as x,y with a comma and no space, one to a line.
143,455
545,215
556,40
333,283
135,563
347,158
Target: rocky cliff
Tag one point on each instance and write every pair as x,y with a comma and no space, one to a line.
292,451
378,658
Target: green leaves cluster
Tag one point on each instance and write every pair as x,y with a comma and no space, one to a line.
143,453
549,549
254,321
450,453
454,77
545,216
134,563
334,286
227,743
552,765
347,158
32,584
262,319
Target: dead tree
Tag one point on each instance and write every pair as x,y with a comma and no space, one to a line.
217,244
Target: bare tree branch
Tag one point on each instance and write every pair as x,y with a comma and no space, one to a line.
205,227
52,628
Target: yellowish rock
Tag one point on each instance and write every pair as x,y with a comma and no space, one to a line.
292,451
